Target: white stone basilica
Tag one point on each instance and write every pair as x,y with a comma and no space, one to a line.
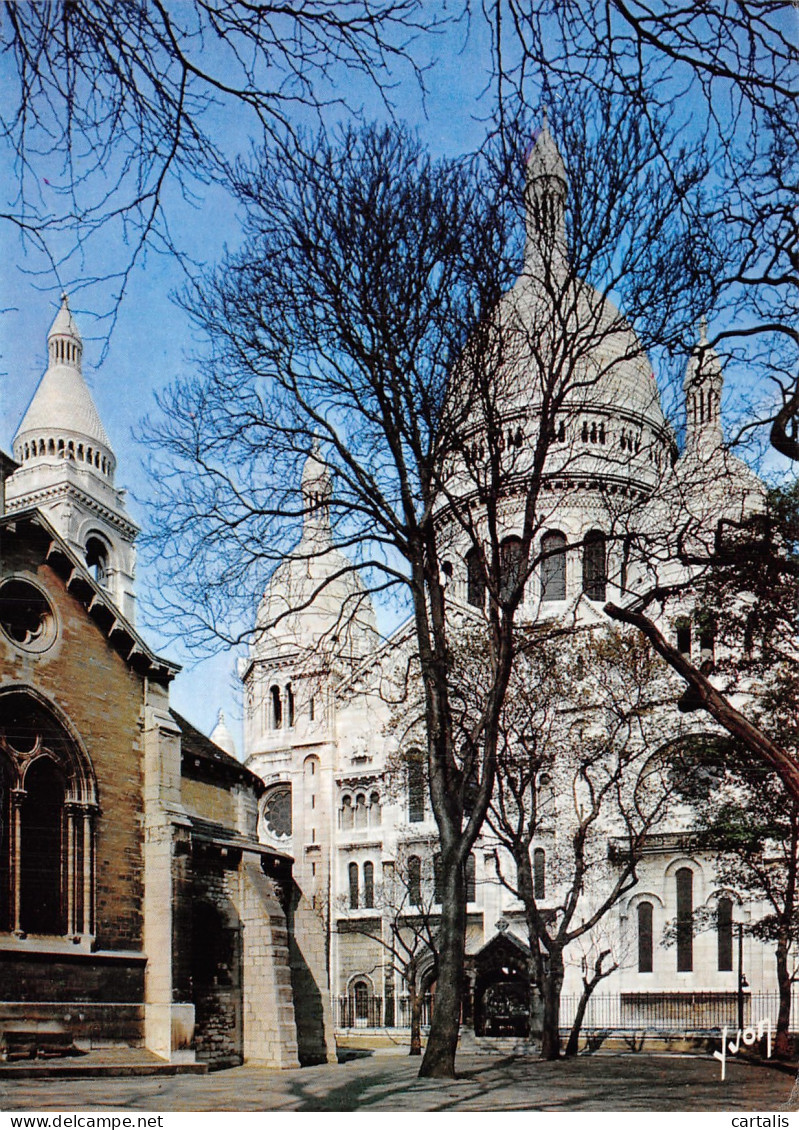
319,731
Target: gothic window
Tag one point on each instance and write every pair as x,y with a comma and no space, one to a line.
539,873
26,616
416,785
311,709
438,878
685,920
471,884
375,811
276,704
594,567
553,567
290,705
475,581
368,884
47,813
707,642
361,816
724,934
414,880
353,879
510,566
97,560
277,812
645,948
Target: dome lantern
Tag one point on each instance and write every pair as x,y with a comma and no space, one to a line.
546,188
702,387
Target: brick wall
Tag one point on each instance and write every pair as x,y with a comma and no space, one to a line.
100,695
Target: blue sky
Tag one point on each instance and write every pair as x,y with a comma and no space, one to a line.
152,341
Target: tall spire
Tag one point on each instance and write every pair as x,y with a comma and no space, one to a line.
545,191
702,387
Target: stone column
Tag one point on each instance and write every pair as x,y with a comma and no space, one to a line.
168,1026
17,800
69,812
87,926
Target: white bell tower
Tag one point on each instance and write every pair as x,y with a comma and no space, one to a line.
67,467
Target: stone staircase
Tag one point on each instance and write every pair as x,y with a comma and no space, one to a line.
497,1045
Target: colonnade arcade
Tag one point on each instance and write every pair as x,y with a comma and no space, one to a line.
48,812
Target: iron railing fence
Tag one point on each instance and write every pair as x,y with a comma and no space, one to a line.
609,1012
404,1011
673,1012
359,1012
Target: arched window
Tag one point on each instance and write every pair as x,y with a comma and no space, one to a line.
475,580
368,884
438,878
347,813
645,948
290,705
685,920
707,642
276,704
724,928
683,627
360,992
471,884
539,873
42,829
375,810
416,786
353,877
97,560
510,567
414,880
361,816
47,817
553,568
594,567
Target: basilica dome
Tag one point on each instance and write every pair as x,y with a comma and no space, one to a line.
557,339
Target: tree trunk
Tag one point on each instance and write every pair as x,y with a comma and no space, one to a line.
573,1042
442,1043
783,1044
589,984
416,1017
553,983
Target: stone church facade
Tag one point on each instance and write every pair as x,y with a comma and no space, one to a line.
321,734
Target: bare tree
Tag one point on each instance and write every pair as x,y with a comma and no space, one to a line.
728,74
741,575
112,110
576,771
407,930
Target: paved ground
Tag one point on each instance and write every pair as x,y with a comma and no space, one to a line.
388,1082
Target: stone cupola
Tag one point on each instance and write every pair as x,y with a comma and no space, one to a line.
66,467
